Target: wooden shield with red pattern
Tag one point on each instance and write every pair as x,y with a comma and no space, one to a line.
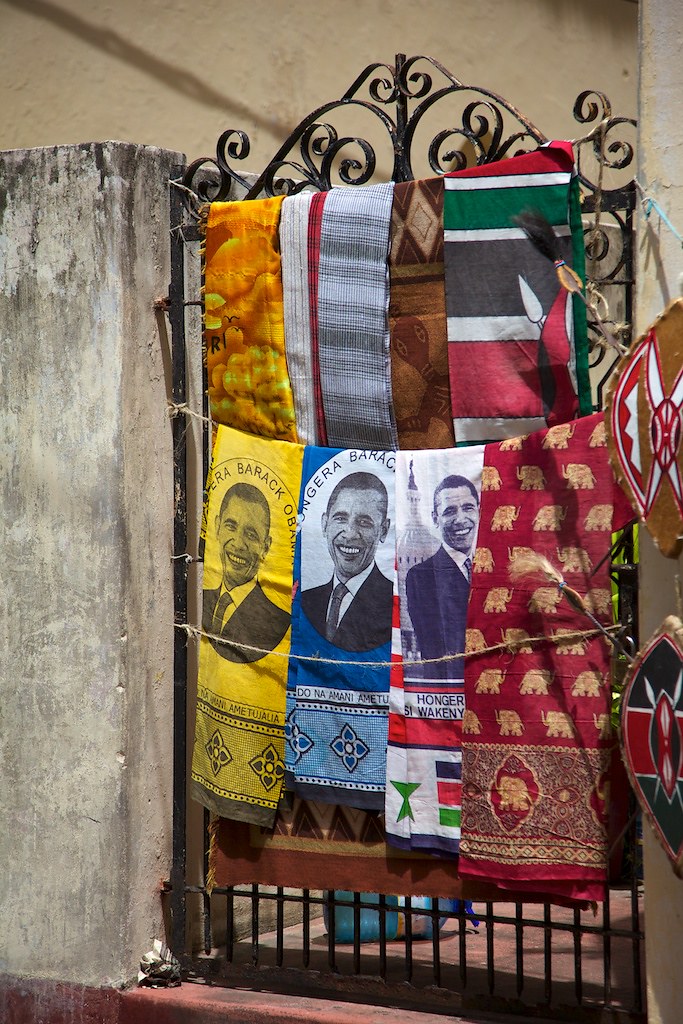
644,423
652,735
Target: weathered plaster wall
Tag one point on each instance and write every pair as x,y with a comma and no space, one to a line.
660,266
85,541
175,73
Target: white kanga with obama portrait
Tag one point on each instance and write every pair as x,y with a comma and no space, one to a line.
337,705
250,532
437,512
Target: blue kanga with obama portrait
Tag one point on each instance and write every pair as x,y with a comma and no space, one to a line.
337,704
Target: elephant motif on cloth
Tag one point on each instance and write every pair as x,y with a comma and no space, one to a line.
558,436
509,722
490,681
531,478
598,438
516,553
497,599
587,684
599,518
599,601
578,476
470,722
545,600
536,680
483,560
573,645
558,723
550,517
514,793
516,638
603,724
545,726
505,517
490,479
513,444
474,641
574,559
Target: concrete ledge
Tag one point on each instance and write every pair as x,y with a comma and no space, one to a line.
48,1002
213,1005
51,1002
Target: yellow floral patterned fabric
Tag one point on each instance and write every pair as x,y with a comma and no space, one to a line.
249,386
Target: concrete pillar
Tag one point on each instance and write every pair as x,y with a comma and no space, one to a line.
659,270
86,611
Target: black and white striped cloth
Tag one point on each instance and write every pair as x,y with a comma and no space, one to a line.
353,300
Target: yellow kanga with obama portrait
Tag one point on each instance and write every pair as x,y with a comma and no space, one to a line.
250,523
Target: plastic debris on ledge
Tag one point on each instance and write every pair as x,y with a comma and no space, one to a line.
159,968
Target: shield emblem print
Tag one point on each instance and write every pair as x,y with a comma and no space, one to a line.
644,422
652,735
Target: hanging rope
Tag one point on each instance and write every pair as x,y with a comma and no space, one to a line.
510,646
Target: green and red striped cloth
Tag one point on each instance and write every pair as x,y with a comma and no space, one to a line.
517,343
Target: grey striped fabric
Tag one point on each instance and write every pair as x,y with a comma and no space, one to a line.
297,318
353,328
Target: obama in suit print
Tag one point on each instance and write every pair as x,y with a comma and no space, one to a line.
238,612
353,609
438,588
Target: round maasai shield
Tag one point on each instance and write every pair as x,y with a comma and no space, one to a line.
651,733
644,422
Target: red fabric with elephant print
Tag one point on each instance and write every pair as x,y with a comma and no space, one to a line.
536,733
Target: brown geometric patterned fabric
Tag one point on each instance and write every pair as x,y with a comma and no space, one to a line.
417,317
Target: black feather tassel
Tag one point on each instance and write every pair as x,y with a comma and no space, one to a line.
540,233
542,236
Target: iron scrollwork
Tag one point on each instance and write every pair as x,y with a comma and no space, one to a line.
424,120
399,99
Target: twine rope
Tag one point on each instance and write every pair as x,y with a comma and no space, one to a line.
601,127
182,409
195,633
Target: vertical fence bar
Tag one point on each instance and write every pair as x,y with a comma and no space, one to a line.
254,925
331,928
280,927
578,965
607,949
409,938
547,954
383,937
436,943
206,899
306,927
176,314
519,948
230,925
356,932
462,944
490,970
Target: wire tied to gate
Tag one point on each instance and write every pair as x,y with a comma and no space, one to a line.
649,204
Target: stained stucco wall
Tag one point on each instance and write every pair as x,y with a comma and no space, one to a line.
175,73
659,280
86,615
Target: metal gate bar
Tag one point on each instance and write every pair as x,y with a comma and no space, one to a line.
394,962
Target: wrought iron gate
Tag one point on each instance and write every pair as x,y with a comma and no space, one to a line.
535,959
